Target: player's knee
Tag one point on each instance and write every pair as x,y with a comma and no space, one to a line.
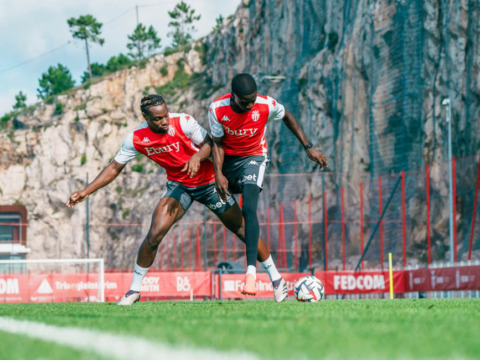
154,238
240,232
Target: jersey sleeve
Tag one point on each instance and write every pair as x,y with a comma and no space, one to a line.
127,152
276,110
216,129
192,129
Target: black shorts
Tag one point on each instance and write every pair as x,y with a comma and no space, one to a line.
241,170
204,194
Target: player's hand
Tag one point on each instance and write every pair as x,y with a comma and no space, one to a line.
221,185
192,166
318,157
77,197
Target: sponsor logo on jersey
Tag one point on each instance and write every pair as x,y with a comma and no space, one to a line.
225,118
253,162
145,140
240,132
255,115
171,130
163,149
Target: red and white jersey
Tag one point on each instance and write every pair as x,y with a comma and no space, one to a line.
171,150
243,134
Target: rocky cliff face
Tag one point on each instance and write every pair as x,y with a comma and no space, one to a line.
364,78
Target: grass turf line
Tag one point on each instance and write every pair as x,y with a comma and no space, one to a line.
363,329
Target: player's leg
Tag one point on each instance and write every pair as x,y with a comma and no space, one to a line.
173,205
252,233
245,176
168,211
233,219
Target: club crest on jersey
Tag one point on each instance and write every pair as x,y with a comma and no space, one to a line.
255,115
171,130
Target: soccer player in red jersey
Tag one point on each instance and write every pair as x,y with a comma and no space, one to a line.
237,124
181,146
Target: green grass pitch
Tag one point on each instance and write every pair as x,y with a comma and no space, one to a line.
333,329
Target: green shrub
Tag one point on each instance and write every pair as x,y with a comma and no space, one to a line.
164,70
137,168
83,160
58,108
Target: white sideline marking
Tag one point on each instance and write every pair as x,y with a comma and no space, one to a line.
112,345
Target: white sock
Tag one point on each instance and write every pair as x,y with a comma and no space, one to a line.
269,265
138,275
252,270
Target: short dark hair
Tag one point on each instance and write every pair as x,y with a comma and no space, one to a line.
243,84
151,100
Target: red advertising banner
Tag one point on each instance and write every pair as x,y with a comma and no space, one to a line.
363,282
443,279
183,285
84,287
231,285
161,285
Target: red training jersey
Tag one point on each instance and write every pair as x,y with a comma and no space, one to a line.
171,150
243,134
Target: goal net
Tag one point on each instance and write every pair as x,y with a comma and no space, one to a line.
59,280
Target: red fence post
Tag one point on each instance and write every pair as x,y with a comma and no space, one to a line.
381,221
472,231
295,232
361,222
224,243
404,225
281,240
181,249
310,232
429,247
174,247
214,244
454,211
325,224
268,229
160,265
167,258
190,265
234,248
198,258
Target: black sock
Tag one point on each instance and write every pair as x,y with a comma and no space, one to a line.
252,228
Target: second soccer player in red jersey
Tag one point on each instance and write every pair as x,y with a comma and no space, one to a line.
238,124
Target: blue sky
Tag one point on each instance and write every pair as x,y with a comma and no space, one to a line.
35,35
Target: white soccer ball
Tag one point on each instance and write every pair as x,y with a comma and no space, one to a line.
309,289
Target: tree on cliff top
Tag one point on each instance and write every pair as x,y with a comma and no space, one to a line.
143,42
183,17
20,101
54,81
86,28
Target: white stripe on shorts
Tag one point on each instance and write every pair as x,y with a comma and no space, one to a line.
261,172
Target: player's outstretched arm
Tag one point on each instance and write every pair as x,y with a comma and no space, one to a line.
296,129
221,182
193,164
106,176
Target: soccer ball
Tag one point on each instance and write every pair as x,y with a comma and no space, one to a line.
309,289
